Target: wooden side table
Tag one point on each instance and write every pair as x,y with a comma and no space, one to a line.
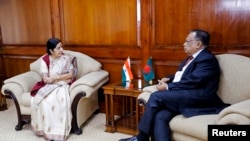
128,121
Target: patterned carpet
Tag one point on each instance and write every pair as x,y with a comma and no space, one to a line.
93,130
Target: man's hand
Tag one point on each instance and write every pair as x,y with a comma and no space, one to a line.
165,79
162,85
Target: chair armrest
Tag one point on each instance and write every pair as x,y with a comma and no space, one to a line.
237,113
144,96
19,84
25,80
88,83
150,89
91,79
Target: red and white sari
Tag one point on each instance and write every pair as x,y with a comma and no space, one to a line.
51,106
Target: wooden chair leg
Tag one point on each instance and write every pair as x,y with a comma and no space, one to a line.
3,105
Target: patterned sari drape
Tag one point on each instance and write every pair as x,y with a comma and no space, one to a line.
51,106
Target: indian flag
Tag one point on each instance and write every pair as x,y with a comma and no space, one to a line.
127,74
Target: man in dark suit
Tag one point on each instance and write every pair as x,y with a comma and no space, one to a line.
190,91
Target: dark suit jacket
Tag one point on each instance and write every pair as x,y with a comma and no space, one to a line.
199,85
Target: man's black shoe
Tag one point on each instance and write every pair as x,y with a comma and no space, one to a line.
129,139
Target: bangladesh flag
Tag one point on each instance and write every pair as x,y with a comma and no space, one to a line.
148,71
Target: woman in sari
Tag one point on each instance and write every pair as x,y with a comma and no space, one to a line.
50,104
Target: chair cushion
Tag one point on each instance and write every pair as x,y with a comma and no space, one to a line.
91,79
238,113
235,75
195,126
85,63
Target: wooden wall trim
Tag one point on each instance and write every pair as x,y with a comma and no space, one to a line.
111,30
56,13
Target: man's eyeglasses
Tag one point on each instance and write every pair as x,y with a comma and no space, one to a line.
188,41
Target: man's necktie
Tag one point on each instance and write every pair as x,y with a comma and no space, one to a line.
188,60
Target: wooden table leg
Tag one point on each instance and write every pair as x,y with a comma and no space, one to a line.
107,110
137,113
110,127
112,116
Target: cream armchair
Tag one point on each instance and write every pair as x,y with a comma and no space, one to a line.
233,89
83,92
